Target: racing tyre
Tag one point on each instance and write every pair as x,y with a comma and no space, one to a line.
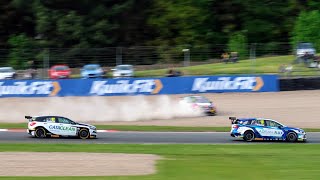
40,132
84,133
292,137
248,136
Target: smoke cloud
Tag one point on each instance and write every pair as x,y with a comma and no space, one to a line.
97,108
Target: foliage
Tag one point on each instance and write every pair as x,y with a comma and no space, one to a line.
20,51
238,43
168,23
178,22
266,65
306,28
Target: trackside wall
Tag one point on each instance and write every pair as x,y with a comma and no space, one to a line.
139,86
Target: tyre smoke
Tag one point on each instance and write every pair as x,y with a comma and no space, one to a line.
97,108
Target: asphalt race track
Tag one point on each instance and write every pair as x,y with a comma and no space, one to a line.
142,137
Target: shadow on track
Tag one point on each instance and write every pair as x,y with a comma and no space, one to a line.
269,141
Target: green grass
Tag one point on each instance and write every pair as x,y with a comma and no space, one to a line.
267,65
147,128
205,162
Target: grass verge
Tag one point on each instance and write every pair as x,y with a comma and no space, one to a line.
147,128
189,162
133,128
265,65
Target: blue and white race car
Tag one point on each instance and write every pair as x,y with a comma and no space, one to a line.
250,129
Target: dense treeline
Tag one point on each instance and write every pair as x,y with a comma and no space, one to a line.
110,23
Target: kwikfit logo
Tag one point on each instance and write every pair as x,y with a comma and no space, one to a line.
226,83
22,88
124,86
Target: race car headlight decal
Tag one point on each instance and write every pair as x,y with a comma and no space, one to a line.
299,131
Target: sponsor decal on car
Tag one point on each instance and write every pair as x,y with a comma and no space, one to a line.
63,128
269,132
226,83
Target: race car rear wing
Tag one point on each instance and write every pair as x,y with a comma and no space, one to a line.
234,120
29,118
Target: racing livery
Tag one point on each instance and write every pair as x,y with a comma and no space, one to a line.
250,129
58,126
199,103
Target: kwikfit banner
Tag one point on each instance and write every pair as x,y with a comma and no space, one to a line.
137,86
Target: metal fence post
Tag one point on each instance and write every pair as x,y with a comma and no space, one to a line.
186,57
118,55
46,60
253,57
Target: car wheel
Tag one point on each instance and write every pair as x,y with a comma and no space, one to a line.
84,133
292,137
40,132
248,136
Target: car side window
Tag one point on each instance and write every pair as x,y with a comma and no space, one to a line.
63,120
50,119
245,122
260,122
70,121
39,119
272,123
267,123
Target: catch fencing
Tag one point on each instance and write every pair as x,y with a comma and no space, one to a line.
146,57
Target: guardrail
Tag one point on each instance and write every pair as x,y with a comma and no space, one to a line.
138,86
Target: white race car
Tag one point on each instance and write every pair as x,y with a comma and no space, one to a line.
57,126
199,103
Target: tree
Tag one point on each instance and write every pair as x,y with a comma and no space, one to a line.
306,28
179,22
21,51
238,43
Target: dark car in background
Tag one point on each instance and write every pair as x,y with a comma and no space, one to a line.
60,71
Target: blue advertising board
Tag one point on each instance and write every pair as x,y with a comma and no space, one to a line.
138,86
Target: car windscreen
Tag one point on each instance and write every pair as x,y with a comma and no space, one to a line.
305,46
202,100
5,70
61,68
124,67
91,67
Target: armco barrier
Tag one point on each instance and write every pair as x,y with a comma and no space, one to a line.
294,84
136,86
